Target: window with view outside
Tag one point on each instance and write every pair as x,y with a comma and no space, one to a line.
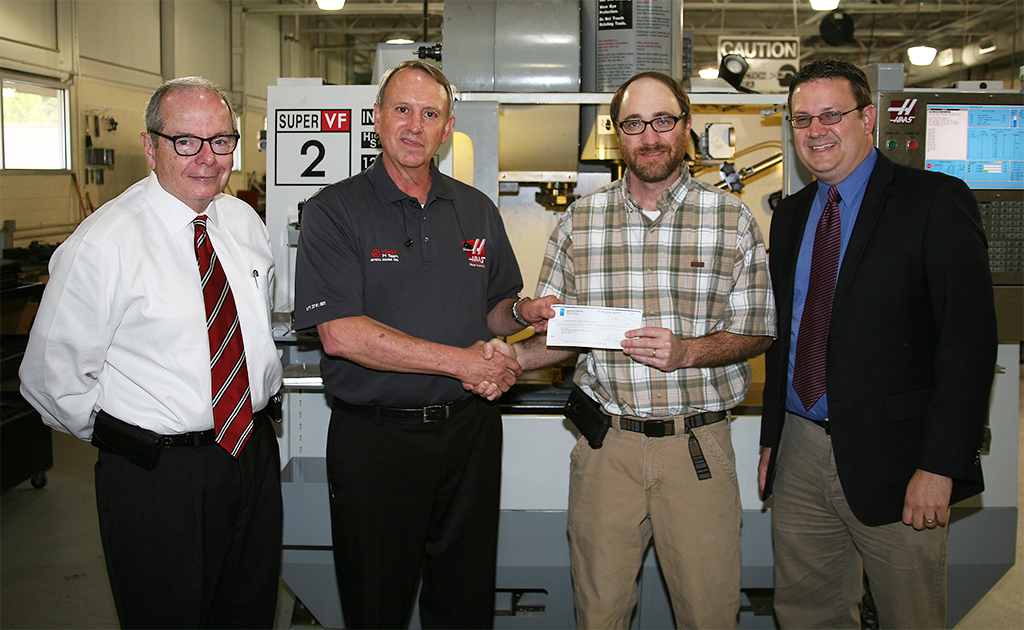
35,129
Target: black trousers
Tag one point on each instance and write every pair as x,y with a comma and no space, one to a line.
407,498
195,542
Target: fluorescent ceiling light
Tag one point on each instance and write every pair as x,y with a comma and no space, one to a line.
921,55
824,5
399,40
708,73
330,5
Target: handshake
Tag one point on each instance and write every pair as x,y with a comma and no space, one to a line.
492,367
499,368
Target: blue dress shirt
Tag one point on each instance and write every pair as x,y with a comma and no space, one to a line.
851,190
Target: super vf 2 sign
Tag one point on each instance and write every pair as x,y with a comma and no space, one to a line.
317,146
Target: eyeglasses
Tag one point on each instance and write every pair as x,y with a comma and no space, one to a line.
828,118
187,146
661,124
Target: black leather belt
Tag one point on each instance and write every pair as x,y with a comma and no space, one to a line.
195,438
823,424
661,428
200,438
416,415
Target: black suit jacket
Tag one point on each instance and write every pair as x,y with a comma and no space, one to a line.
912,342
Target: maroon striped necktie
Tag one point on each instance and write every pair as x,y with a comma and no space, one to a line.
232,408
812,340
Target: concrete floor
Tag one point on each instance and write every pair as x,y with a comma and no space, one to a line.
52,573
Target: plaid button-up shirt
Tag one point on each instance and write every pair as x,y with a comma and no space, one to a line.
699,268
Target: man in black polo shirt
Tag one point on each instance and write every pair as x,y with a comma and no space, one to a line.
405,273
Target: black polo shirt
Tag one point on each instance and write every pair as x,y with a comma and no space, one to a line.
431,271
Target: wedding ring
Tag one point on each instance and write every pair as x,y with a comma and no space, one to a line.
654,353
928,521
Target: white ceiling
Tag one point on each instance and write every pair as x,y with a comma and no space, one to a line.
883,29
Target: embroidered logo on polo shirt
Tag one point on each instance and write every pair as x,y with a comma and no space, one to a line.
383,255
475,252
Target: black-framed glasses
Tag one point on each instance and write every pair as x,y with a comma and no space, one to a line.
828,118
661,124
187,146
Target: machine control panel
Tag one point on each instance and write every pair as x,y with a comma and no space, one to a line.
1002,214
977,136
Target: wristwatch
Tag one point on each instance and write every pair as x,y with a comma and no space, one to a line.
515,313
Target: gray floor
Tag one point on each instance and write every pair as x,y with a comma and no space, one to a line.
53,574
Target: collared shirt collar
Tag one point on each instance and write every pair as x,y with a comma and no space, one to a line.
388,192
173,212
669,200
852,188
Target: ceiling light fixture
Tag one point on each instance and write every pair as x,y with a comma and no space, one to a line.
399,40
948,57
330,5
824,5
921,55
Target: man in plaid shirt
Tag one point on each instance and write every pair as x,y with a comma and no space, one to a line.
693,260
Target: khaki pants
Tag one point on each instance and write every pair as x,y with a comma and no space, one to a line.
635,488
822,551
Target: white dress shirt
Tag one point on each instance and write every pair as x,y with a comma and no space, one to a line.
122,326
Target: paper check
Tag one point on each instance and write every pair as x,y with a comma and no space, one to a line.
592,326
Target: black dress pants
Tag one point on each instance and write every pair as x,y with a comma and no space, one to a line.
407,498
195,542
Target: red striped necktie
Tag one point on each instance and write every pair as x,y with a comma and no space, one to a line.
232,407
812,340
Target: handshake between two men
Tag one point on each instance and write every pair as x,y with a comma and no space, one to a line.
492,367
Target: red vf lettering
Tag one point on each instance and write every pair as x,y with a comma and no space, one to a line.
335,120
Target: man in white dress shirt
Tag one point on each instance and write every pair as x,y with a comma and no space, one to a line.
119,354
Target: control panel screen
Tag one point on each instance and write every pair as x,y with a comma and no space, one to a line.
981,144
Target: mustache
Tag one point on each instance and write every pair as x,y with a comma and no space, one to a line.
656,148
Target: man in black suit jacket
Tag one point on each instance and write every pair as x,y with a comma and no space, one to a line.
863,475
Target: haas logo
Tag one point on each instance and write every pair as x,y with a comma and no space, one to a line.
475,251
902,112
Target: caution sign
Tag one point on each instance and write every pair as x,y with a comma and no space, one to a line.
773,61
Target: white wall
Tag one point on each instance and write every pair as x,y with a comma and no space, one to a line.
119,41
202,41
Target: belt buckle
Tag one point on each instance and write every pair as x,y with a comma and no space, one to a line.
434,413
655,428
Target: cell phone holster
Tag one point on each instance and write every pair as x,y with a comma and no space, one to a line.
588,416
139,446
